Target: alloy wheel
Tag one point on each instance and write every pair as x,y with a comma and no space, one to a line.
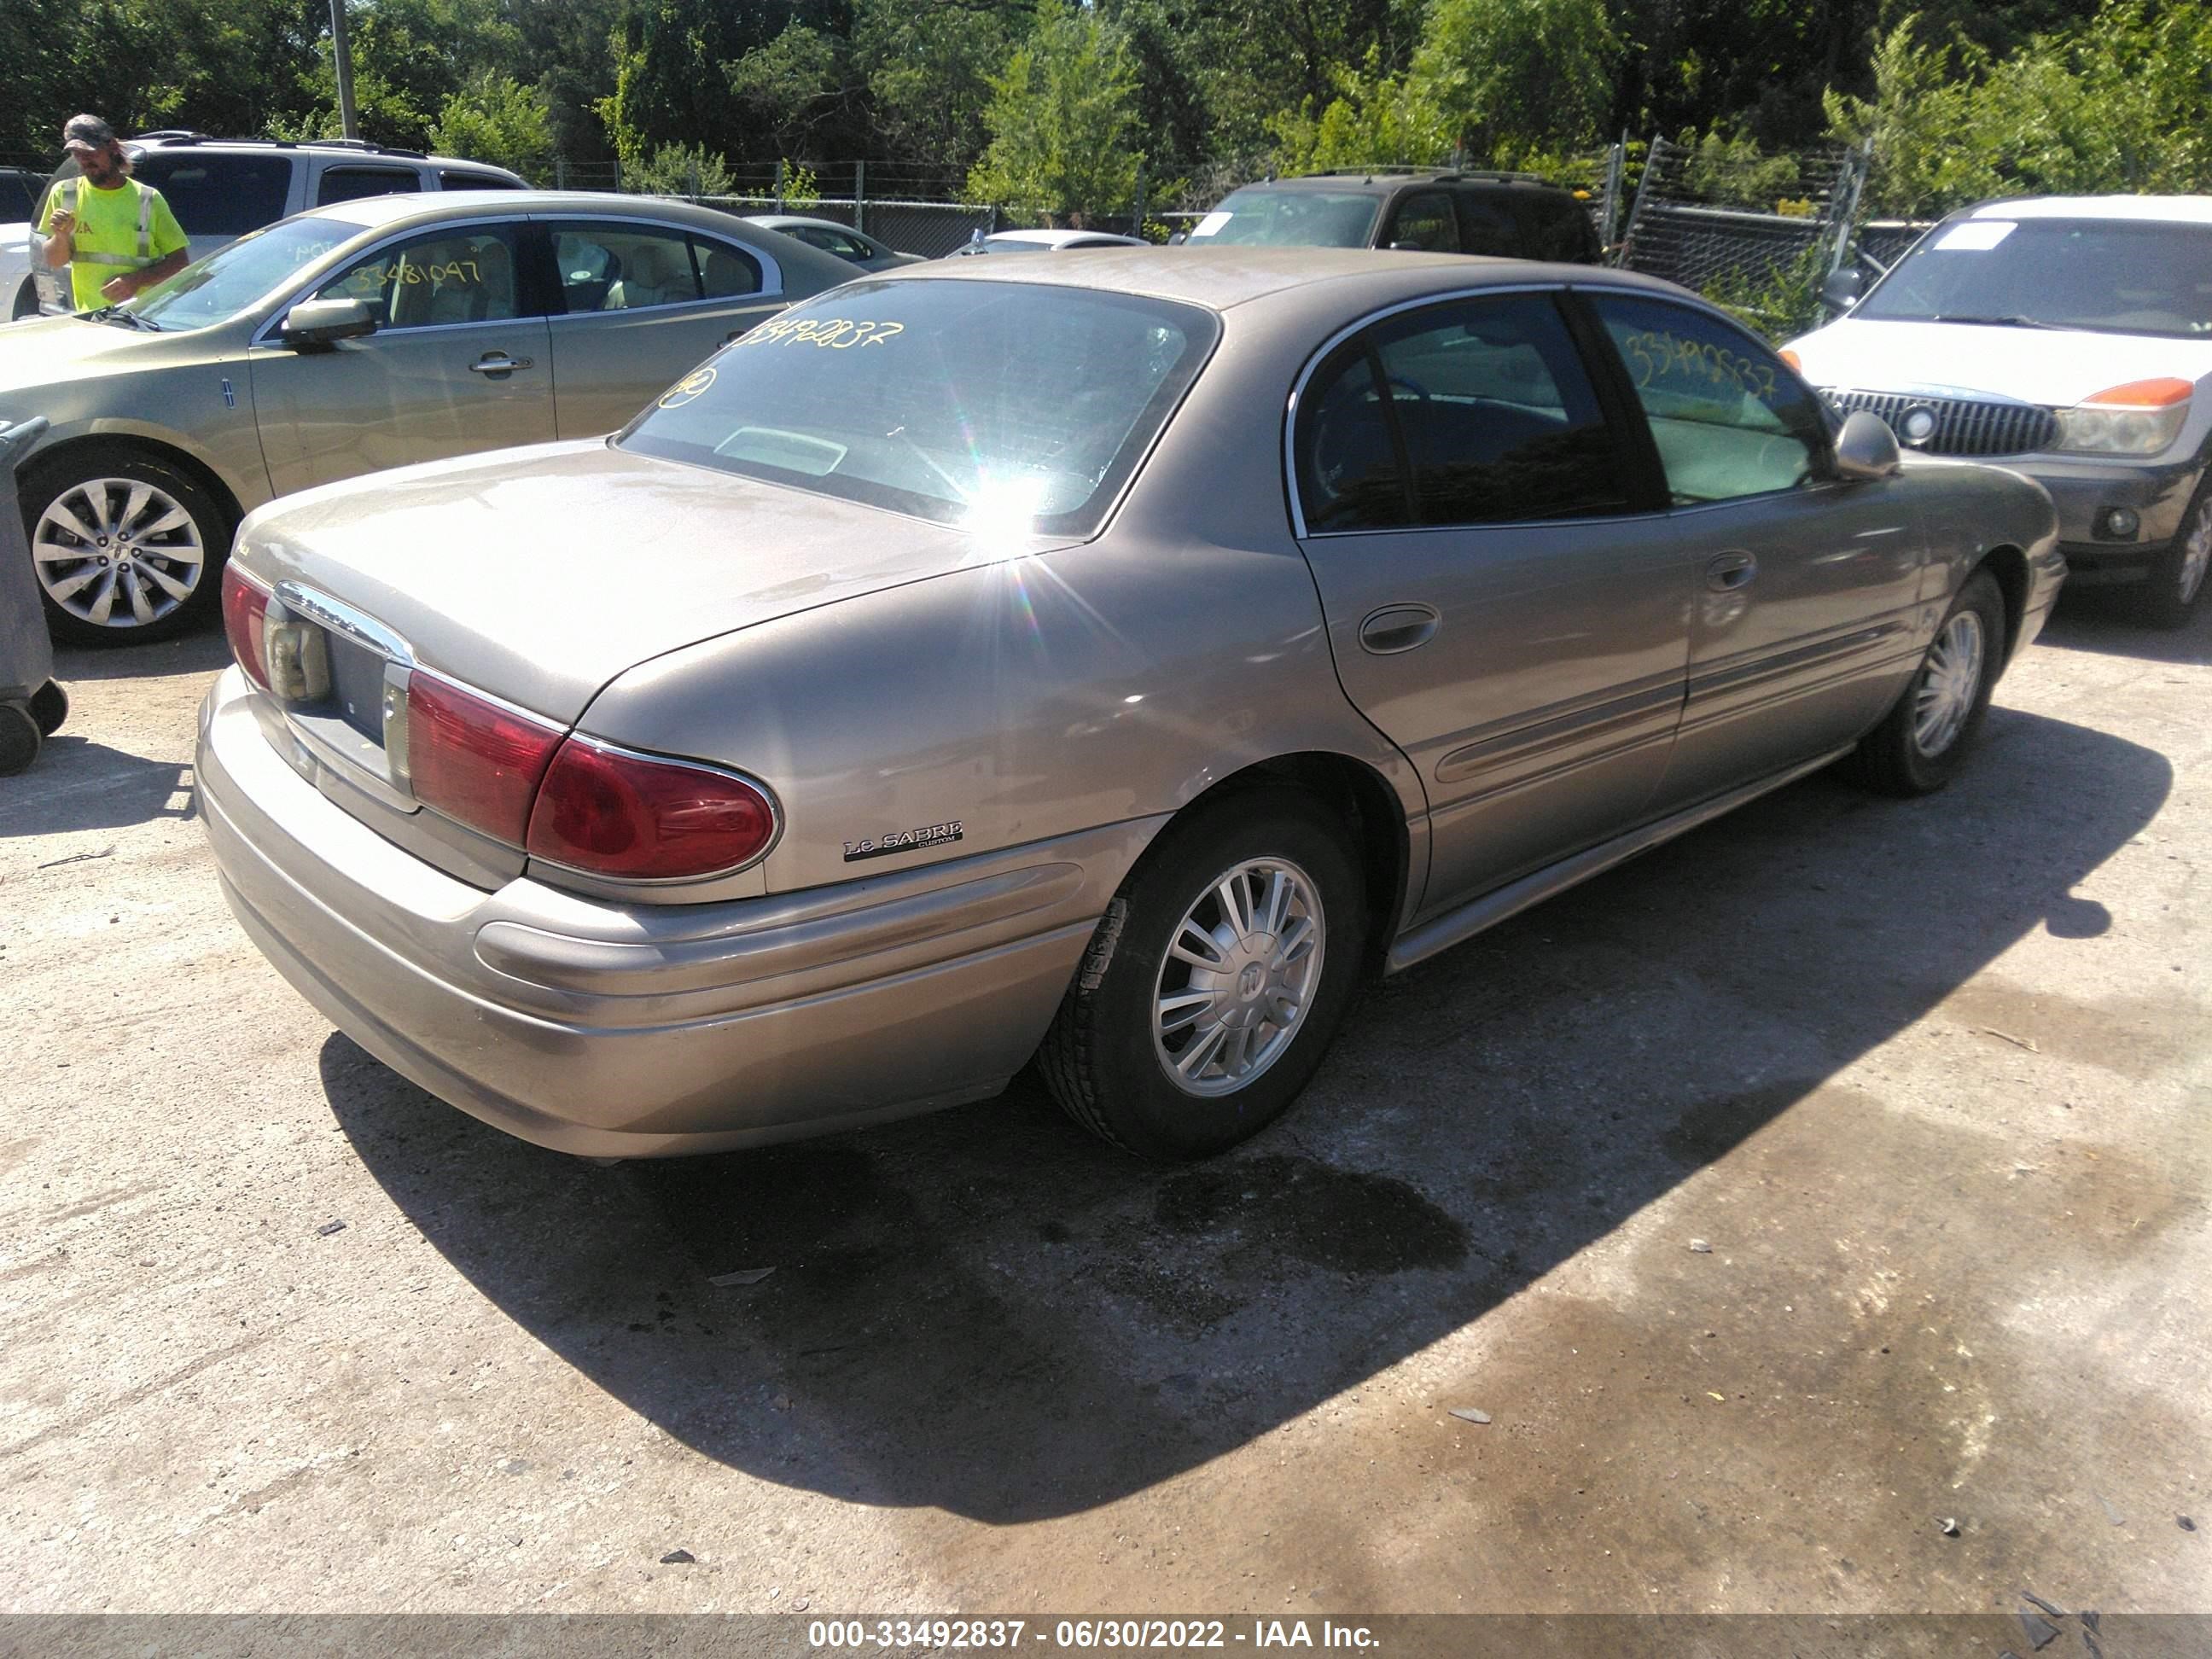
118,553
1949,686
1239,977
2196,554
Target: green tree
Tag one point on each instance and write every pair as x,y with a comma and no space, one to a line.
1526,72
928,64
1373,120
496,118
1062,119
792,87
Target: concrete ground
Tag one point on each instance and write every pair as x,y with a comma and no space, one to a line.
1930,1080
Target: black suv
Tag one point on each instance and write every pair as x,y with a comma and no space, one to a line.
1517,216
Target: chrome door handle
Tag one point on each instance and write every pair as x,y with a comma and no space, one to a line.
1729,571
1398,628
498,362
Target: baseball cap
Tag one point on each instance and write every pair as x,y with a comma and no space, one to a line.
87,133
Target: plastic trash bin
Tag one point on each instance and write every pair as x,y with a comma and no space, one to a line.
32,701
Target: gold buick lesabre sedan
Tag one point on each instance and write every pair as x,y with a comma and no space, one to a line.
1107,660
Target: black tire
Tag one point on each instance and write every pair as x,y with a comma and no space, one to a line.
1103,1059
50,707
2176,585
208,526
19,739
26,303
1893,758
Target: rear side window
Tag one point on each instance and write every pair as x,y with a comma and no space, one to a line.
1424,221
218,195
1485,227
725,272
616,267
351,184
1474,412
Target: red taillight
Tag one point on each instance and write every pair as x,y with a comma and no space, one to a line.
245,610
636,818
475,760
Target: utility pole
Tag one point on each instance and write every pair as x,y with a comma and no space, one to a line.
341,55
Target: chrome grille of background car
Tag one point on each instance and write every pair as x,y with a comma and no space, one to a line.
1964,426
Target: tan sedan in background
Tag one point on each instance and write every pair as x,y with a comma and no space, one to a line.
364,335
1108,660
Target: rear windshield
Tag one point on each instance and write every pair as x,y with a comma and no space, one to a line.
1291,218
1006,406
2120,276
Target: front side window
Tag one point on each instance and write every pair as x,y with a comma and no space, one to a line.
352,184
435,280
1729,418
1424,221
994,405
1473,412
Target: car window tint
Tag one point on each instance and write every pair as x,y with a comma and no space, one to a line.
1497,416
612,267
1484,228
219,195
725,272
351,184
435,280
1728,419
453,180
1555,230
1424,221
1348,460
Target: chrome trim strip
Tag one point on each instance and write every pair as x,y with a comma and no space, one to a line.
1419,943
1528,739
340,617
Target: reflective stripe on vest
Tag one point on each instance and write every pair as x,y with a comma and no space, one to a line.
145,256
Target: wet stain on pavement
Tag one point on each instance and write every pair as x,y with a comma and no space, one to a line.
1344,1220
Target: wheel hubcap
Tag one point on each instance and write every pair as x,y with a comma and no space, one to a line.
2196,554
118,552
1948,685
1241,970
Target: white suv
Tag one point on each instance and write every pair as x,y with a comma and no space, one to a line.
220,188
2069,339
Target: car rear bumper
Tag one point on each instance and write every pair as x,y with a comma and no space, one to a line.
643,1030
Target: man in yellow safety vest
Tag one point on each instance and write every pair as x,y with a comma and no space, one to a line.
116,235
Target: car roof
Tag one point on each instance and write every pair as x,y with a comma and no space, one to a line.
1222,278
1056,238
331,150
371,212
2173,209
1380,180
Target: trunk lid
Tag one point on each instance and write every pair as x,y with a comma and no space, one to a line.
539,574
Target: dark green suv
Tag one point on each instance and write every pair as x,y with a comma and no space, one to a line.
1516,215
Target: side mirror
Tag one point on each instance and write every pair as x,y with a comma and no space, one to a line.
1177,239
1865,448
1841,291
325,322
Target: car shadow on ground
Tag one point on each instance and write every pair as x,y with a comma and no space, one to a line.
987,1311
77,784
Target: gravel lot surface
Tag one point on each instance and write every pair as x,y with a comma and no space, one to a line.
1837,1171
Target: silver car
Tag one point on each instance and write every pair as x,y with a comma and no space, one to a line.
364,335
1107,660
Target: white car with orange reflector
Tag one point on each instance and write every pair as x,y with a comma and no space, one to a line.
2068,339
